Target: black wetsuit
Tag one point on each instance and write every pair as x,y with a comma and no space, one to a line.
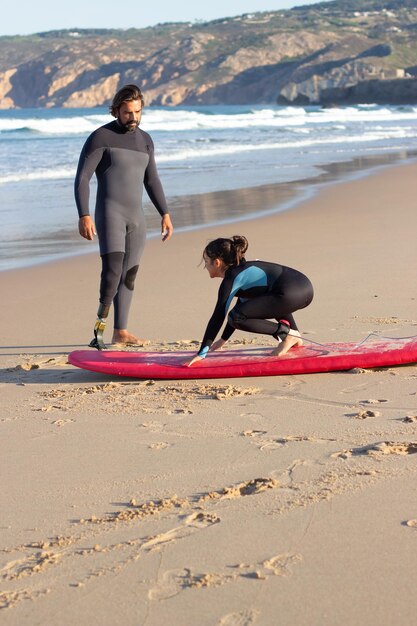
123,162
265,291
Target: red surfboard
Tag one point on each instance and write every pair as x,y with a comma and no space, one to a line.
310,358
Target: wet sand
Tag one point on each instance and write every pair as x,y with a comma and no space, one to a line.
248,501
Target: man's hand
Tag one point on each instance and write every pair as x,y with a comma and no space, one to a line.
166,227
86,227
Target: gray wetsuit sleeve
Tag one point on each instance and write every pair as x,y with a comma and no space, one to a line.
90,157
153,184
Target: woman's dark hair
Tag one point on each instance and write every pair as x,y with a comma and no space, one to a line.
128,93
230,251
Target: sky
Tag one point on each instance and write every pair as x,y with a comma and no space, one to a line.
29,16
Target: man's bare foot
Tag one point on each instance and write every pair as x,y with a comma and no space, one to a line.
124,337
289,342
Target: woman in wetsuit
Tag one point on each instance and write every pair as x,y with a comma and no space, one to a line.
264,291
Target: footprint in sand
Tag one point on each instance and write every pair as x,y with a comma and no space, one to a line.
136,511
377,450
61,360
159,445
174,581
253,433
411,523
29,565
9,599
25,367
410,419
278,442
242,618
202,519
62,422
155,427
50,407
248,488
363,415
28,366
190,517
195,521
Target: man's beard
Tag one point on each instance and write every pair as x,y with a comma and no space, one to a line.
130,126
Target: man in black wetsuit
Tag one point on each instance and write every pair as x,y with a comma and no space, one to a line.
122,157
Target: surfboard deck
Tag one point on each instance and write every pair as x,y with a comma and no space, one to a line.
247,362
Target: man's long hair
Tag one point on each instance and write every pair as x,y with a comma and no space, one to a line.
128,93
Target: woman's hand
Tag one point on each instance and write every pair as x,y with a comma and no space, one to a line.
216,345
195,359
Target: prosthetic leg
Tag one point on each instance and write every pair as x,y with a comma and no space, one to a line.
102,314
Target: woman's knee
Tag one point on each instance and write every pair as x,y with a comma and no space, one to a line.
236,319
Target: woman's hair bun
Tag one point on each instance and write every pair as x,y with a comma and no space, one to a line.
240,243
230,251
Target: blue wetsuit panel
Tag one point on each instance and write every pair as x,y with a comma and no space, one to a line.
247,279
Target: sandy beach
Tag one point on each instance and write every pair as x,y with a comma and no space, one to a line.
276,500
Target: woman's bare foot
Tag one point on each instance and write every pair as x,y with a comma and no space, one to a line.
289,342
124,337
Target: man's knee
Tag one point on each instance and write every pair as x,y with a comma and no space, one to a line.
112,267
236,319
130,277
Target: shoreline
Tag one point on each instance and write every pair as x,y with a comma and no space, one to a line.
208,210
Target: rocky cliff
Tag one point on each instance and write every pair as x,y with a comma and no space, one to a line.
354,51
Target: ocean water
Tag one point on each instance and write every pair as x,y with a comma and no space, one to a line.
199,150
